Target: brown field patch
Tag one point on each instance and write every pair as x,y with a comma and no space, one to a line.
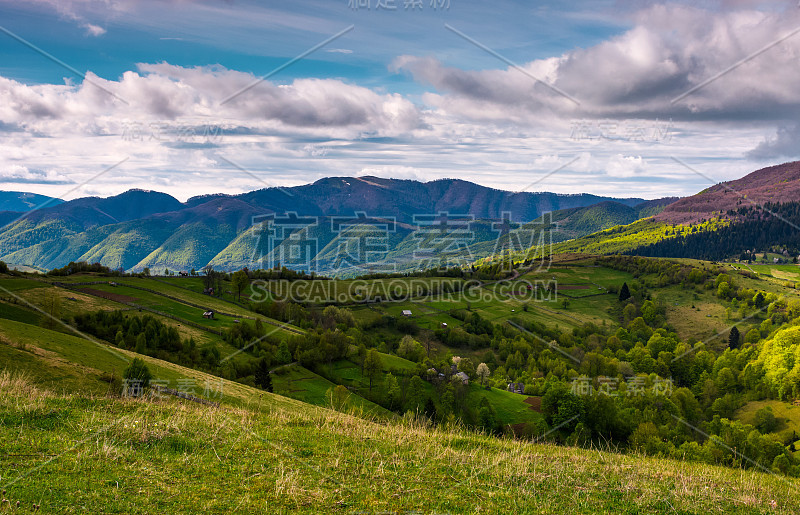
535,403
116,297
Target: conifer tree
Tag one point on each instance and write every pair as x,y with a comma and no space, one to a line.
624,292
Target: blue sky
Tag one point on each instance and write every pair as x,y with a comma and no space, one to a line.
422,93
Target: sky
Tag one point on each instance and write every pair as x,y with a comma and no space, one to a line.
623,98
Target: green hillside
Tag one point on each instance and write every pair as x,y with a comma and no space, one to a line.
634,356
276,455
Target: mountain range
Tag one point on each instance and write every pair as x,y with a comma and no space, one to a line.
139,228
354,225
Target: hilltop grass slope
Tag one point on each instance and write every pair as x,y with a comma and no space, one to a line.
74,452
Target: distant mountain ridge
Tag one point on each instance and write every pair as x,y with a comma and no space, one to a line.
139,228
21,201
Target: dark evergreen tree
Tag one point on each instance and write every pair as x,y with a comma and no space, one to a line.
733,338
430,409
624,292
263,377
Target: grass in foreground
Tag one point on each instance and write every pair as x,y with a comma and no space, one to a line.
70,454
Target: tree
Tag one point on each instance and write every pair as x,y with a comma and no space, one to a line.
393,392
430,409
52,309
146,271
240,282
733,338
465,365
629,313
409,348
428,344
263,377
3,268
338,397
483,372
372,366
416,397
765,420
137,376
624,292
752,336
141,344
284,356
362,356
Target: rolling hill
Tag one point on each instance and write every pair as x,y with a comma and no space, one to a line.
71,444
755,214
269,453
775,184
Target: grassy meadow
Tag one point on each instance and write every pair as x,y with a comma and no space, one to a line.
71,453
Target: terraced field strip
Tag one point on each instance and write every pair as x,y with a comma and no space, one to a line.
175,285
229,315
120,299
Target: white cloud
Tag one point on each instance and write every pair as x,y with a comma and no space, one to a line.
784,144
79,11
94,30
625,166
17,174
671,49
166,92
496,127
395,172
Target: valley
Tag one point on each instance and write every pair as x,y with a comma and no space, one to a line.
572,345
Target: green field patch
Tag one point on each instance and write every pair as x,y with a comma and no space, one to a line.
786,414
300,383
510,407
16,284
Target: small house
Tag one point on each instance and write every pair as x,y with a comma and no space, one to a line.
406,312
463,377
184,274
516,388
209,315
444,325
